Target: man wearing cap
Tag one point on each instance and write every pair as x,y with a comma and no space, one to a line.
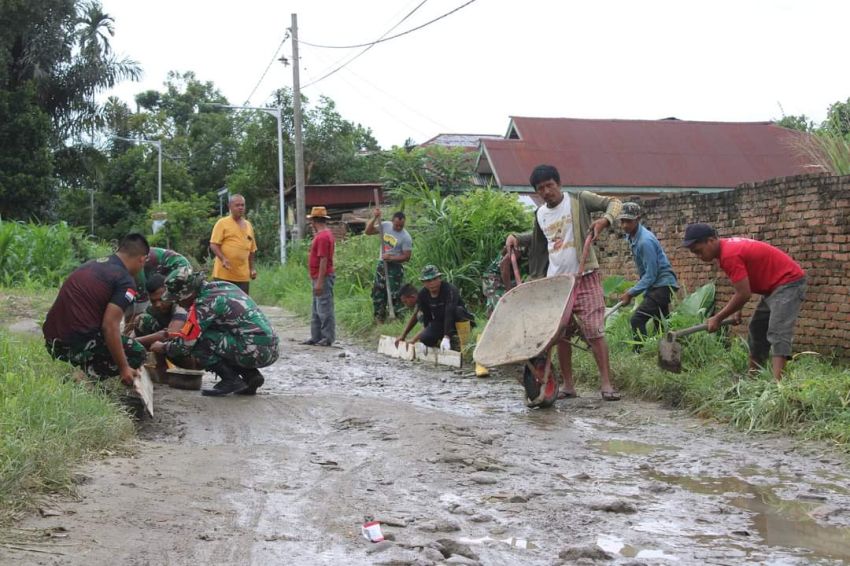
321,266
234,245
441,306
396,249
83,325
755,267
657,279
160,261
555,247
235,338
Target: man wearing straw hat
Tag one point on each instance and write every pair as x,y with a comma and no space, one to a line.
321,264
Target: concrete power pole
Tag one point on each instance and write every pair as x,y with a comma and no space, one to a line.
300,202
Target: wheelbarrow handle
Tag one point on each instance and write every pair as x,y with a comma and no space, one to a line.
588,242
672,336
515,266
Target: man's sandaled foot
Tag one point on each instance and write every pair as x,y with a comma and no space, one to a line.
308,342
611,395
567,394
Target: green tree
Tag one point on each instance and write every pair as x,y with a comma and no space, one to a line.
449,169
801,123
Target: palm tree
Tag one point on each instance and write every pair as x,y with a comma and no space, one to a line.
94,28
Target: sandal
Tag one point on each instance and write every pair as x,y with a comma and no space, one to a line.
611,395
567,395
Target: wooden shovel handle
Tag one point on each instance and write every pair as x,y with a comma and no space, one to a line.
515,266
675,335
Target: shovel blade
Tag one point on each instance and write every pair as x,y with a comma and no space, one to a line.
670,356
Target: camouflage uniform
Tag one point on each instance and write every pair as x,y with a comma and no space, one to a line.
395,271
492,285
233,329
94,358
162,261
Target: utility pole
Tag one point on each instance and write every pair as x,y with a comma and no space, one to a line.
300,201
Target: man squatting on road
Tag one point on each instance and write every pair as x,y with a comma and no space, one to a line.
83,325
396,250
440,306
554,248
235,337
657,280
755,267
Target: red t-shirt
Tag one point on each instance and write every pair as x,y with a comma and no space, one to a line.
766,266
323,246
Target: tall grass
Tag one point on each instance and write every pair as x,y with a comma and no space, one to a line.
33,255
47,423
826,151
812,400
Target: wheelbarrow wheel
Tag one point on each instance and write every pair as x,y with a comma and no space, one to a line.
540,390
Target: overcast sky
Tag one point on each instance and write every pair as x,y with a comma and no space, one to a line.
727,60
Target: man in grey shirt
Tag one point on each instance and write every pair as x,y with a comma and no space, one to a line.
395,252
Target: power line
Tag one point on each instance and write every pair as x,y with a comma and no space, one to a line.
367,48
382,39
269,66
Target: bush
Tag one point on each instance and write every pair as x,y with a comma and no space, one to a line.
42,255
189,226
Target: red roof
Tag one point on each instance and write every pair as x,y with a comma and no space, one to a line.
643,153
342,195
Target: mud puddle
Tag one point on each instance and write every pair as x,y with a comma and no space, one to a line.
455,468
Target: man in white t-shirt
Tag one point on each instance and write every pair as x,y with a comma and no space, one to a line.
554,248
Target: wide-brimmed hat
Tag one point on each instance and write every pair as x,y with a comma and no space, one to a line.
430,272
318,212
181,284
630,211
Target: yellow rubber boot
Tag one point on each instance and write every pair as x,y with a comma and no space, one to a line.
481,371
464,329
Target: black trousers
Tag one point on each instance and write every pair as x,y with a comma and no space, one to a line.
244,285
655,304
433,333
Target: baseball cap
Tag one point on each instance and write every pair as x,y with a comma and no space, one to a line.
630,211
696,232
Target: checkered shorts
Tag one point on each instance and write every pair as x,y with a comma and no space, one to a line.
589,307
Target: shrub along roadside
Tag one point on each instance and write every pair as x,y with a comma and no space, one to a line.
47,423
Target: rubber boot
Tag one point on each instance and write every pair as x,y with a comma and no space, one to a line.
253,378
230,381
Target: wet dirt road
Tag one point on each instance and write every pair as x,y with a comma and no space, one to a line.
457,469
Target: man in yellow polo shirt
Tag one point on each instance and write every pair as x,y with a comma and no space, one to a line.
234,246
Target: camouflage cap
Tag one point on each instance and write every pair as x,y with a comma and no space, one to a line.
630,211
181,284
430,272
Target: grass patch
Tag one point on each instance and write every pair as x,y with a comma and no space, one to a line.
47,423
812,400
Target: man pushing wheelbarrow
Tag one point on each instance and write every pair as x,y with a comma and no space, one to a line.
543,314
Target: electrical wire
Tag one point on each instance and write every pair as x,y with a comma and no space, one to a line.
382,39
368,47
269,66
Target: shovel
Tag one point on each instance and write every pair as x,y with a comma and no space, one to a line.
670,351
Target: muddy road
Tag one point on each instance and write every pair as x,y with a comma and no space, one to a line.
457,469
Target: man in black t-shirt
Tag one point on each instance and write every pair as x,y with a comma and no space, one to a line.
441,306
83,325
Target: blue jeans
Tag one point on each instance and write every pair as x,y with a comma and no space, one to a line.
323,322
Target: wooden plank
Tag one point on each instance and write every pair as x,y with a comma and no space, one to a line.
144,387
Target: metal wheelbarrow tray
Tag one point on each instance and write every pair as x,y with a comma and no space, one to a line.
526,323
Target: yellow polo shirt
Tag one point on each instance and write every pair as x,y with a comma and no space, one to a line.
236,245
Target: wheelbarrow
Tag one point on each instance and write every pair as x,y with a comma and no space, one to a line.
528,321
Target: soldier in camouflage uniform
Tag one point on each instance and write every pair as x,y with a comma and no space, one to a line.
493,281
235,336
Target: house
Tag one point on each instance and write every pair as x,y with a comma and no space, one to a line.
467,142
648,158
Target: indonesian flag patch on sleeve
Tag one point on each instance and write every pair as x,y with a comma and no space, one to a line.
130,295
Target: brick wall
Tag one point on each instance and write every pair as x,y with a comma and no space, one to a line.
808,217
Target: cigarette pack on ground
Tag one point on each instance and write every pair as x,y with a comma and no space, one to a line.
372,531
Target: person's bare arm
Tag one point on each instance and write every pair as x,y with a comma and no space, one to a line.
372,227
251,265
410,324
398,258
735,304
320,280
111,328
216,250
147,341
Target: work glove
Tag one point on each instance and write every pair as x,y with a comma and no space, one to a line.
445,344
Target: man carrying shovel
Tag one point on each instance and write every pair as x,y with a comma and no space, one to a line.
555,247
396,248
657,279
755,267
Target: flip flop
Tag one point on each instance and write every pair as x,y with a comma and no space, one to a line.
565,395
610,395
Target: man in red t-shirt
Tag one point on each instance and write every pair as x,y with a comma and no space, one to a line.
321,264
755,267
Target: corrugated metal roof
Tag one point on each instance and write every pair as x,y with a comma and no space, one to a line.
351,195
644,153
469,142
